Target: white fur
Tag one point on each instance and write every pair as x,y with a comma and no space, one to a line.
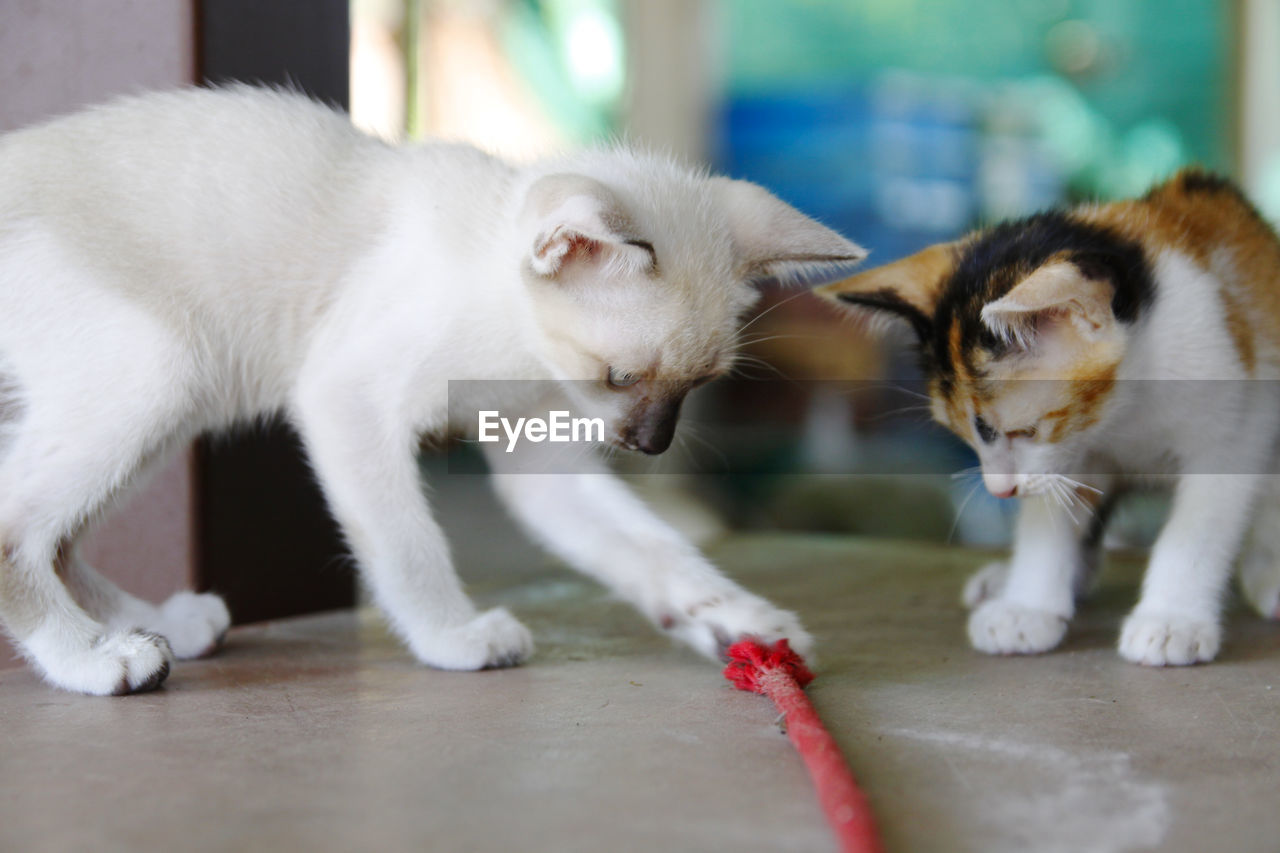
1218,447
186,261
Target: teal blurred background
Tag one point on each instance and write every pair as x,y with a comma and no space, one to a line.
899,122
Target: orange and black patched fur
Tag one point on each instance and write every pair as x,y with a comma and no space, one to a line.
1083,349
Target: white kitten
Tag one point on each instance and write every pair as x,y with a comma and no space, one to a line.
181,262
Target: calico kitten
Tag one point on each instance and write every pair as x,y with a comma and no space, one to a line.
1076,351
180,262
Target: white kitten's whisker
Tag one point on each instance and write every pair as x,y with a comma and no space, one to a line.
766,312
747,342
690,434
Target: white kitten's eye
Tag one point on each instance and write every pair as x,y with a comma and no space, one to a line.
621,379
1029,432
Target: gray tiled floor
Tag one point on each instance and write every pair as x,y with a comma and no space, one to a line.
320,733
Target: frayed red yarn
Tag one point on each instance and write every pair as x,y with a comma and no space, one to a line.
779,673
749,660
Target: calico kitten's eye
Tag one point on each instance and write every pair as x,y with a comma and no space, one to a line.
1029,432
985,431
621,379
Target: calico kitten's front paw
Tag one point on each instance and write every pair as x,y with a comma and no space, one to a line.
1260,583
493,639
193,624
118,664
1163,639
985,584
1004,628
713,624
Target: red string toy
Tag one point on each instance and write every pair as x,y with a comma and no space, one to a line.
781,674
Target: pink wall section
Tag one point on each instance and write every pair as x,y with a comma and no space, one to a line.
55,56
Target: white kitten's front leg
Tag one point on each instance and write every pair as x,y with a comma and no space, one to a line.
1177,618
594,523
1028,609
366,460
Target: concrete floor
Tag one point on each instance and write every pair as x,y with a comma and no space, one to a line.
320,734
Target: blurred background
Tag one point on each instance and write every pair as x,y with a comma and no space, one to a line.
898,122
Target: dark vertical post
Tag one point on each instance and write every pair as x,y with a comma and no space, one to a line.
264,537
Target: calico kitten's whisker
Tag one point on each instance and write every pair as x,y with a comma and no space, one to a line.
1076,484
1056,489
906,411
955,522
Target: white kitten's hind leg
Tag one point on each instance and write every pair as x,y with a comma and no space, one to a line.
97,385
194,624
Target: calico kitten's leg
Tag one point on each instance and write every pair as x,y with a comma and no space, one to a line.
194,624
366,461
595,524
1029,612
1177,618
988,581
1260,562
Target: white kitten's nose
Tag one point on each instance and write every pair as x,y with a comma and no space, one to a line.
1001,485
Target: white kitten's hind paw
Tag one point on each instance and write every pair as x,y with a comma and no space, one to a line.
493,639
1003,628
985,584
714,624
1161,639
126,662
193,624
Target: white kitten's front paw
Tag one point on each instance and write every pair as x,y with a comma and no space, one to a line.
193,624
126,662
1163,639
493,639
1003,628
712,624
985,584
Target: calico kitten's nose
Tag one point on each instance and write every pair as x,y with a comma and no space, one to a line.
1001,485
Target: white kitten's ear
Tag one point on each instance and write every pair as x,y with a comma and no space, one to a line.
1054,293
777,243
580,223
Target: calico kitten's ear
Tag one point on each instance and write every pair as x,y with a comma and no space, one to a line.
1057,291
774,242
579,221
908,289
